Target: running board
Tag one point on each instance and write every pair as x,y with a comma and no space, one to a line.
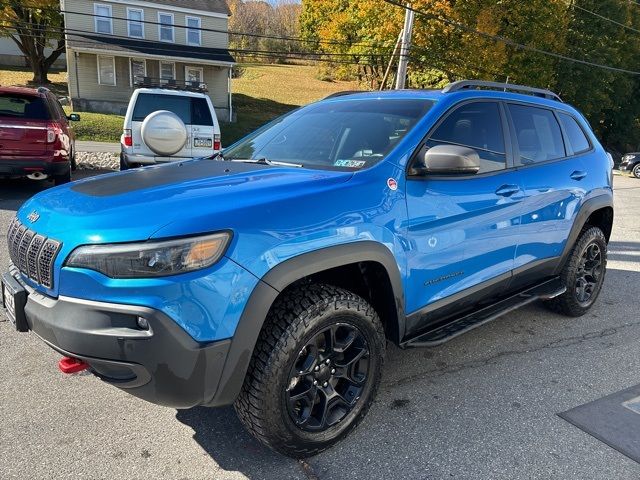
443,333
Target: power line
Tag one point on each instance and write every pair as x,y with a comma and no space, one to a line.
602,17
508,41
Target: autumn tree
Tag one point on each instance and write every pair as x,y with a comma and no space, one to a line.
34,28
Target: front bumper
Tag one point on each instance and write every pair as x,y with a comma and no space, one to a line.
161,364
22,168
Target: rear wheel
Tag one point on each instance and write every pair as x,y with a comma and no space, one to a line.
636,171
123,164
74,164
314,372
583,274
62,178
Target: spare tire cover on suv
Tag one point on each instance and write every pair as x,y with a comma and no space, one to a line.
164,133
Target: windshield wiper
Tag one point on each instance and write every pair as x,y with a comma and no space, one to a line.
266,161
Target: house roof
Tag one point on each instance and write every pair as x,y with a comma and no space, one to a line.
131,47
216,6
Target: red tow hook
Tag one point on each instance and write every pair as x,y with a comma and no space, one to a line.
72,365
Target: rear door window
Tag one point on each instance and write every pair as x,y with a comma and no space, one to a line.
24,107
147,103
575,136
538,134
478,126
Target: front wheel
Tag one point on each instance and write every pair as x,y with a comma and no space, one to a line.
636,171
583,274
315,370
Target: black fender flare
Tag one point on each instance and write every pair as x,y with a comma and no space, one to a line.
586,210
275,281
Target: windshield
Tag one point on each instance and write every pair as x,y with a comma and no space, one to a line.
349,134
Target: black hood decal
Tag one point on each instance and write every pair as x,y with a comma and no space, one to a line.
150,177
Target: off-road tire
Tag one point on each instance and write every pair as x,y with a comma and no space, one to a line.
636,171
568,303
298,315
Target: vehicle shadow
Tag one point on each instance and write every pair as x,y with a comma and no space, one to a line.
219,432
14,192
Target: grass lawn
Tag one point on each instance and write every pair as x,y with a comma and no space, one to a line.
263,93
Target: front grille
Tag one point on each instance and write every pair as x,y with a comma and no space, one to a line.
33,254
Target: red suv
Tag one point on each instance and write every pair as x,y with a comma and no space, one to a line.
36,139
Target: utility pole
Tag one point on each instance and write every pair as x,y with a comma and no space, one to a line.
404,50
393,57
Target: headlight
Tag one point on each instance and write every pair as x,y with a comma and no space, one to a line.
628,157
151,259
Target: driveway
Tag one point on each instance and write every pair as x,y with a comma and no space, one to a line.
483,406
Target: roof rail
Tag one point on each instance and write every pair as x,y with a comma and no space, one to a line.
476,84
342,94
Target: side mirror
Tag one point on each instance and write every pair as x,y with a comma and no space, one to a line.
447,160
73,117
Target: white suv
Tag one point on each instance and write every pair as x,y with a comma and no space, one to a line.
164,125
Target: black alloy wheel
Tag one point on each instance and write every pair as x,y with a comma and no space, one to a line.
328,377
589,275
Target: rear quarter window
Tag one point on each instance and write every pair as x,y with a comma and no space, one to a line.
578,141
23,107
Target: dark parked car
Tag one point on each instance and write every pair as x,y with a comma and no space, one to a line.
36,139
631,164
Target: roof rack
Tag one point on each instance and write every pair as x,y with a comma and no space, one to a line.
477,84
149,82
342,94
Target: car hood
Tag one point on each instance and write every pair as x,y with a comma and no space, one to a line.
177,199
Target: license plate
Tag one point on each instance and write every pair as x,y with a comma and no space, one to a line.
14,300
203,143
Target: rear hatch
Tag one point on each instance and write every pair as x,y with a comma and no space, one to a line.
23,126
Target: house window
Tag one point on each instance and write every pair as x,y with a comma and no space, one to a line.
103,18
106,70
165,26
135,19
138,70
167,71
194,34
193,74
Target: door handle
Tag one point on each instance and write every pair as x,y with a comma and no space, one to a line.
507,190
578,175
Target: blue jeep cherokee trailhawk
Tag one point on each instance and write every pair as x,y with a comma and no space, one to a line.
272,276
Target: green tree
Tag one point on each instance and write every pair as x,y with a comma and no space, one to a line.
34,28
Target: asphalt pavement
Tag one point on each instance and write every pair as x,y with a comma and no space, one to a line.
97,147
483,406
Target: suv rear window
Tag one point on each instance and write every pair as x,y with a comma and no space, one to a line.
25,107
192,111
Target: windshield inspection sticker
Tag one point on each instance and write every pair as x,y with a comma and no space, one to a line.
392,184
349,163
